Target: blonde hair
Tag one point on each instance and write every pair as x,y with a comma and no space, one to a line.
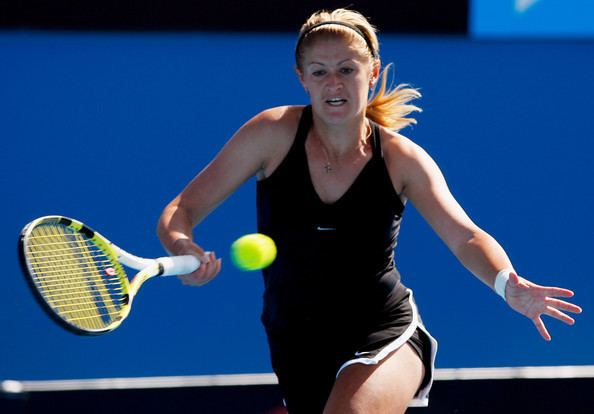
388,106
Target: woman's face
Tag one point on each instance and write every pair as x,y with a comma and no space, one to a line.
337,77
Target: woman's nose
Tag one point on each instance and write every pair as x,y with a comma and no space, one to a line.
333,81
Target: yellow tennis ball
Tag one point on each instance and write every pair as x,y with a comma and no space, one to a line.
253,252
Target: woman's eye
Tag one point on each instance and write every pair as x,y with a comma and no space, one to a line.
318,73
346,71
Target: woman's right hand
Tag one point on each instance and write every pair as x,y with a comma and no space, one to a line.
209,268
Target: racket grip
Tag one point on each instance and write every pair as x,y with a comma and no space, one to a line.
178,265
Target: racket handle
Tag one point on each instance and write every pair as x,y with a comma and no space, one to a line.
178,265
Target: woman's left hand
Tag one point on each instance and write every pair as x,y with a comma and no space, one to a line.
533,301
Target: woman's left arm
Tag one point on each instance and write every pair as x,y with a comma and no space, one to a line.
418,178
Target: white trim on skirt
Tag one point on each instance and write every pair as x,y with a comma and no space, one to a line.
422,397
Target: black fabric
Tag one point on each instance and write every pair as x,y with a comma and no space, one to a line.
333,289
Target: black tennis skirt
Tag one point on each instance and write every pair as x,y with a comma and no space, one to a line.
308,360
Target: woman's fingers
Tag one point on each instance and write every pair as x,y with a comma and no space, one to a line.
558,292
540,326
534,301
557,314
562,305
210,266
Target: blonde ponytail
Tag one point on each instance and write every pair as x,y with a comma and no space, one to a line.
389,107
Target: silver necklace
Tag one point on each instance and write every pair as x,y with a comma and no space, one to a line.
328,166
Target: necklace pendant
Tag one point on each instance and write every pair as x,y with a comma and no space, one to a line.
328,168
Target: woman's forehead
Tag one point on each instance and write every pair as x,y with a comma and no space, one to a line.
333,48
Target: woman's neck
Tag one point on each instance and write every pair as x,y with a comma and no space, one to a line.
340,140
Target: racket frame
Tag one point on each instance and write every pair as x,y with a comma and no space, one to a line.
148,268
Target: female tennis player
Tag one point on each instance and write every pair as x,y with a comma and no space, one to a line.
334,177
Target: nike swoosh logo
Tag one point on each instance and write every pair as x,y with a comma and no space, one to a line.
362,353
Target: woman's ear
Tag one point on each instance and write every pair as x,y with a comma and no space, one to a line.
375,71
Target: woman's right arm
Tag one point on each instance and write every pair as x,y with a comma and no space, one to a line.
252,150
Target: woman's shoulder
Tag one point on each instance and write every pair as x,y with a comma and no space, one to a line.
404,159
275,129
396,145
275,126
278,118
270,126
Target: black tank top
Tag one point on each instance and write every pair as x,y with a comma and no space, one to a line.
335,262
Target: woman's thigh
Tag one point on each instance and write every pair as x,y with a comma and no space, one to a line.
385,388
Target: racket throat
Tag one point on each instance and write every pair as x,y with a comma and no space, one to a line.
141,277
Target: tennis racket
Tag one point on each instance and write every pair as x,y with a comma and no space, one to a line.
78,276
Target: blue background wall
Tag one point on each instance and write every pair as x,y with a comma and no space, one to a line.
111,127
532,18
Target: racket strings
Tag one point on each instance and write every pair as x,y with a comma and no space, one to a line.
72,274
77,301
48,272
65,296
51,282
75,313
50,245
